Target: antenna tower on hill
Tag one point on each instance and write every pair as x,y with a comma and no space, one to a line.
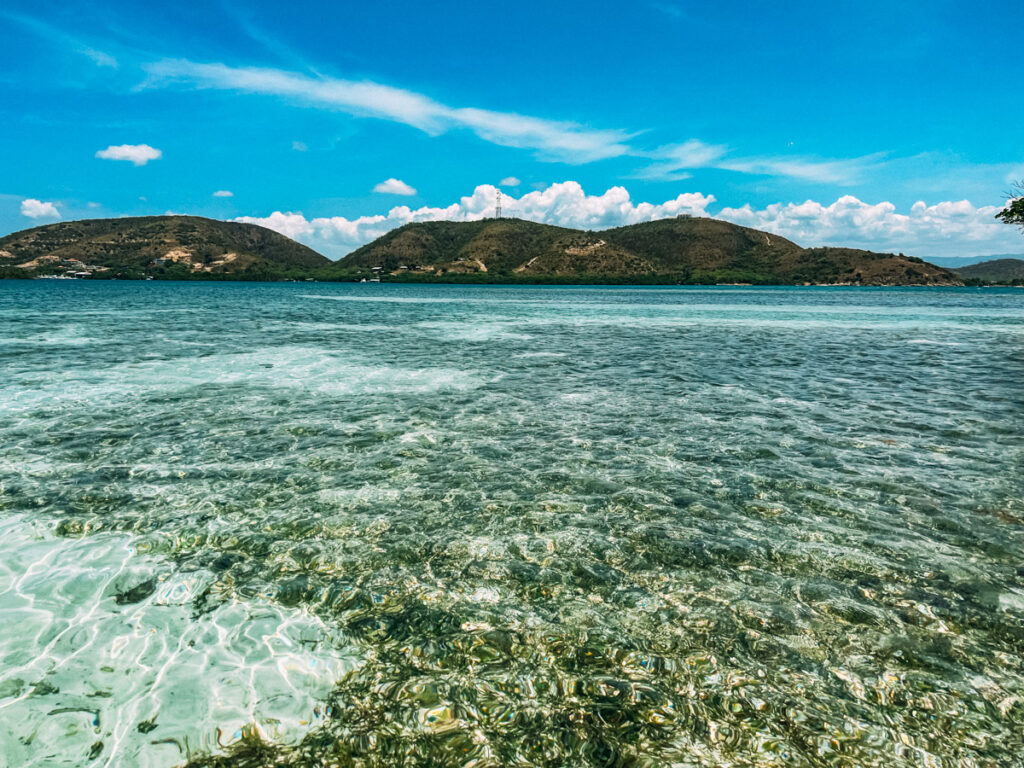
497,205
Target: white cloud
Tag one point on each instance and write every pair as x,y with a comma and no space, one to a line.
293,225
299,146
670,161
37,209
940,230
509,181
394,187
550,139
564,204
944,229
100,58
223,193
567,205
61,38
808,169
139,154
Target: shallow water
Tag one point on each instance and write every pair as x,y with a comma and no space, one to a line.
382,525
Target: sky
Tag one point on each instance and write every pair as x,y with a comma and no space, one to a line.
880,125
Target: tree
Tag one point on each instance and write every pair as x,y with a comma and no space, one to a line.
1013,213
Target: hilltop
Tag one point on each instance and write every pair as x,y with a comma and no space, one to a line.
682,249
994,271
161,246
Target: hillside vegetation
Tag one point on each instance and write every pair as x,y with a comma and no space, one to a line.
1007,271
161,246
683,249
680,250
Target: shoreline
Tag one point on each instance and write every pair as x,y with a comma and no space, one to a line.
510,283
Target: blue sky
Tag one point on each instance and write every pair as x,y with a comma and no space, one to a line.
883,125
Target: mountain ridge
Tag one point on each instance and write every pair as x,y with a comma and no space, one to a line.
679,250
683,249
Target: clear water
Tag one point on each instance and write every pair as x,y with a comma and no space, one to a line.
373,525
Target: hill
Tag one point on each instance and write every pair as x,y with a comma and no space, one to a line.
683,249
995,271
161,246
679,250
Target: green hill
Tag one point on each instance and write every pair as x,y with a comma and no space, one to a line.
682,249
162,246
679,250
995,271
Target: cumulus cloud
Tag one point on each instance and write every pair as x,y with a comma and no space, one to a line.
394,187
939,230
223,193
564,204
509,181
138,154
943,229
293,225
37,209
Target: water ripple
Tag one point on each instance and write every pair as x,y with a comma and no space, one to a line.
511,527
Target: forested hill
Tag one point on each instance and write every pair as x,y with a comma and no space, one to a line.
994,271
684,249
679,250
161,246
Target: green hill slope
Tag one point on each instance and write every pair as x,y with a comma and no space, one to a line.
683,249
995,271
165,246
680,250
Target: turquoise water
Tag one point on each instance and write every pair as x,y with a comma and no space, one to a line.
381,525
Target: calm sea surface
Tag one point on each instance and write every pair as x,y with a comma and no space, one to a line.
383,525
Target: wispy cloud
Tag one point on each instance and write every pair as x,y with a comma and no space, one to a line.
100,58
808,169
672,162
554,140
223,193
669,10
62,39
243,18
